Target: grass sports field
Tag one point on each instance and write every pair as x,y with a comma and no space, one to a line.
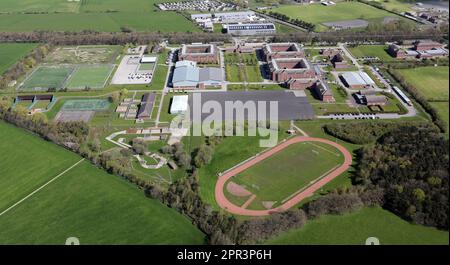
12,52
431,81
86,104
379,51
90,76
85,202
355,228
46,77
317,13
278,177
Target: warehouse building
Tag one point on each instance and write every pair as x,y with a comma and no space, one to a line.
146,107
282,50
179,104
250,29
323,91
187,75
283,70
200,53
357,80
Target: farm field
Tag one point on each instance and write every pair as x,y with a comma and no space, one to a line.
371,51
317,13
18,180
23,6
395,5
45,77
12,52
432,82
105,22
90,76
85,202
355,228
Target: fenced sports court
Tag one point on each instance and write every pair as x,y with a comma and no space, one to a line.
86,104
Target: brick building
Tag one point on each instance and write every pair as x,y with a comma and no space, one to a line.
283,70
200,53
323,91
282,50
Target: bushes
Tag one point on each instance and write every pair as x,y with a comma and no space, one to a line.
364,132
334,203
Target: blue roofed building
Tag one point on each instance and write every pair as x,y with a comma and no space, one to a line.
187,75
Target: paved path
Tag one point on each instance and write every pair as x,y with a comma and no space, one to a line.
308,191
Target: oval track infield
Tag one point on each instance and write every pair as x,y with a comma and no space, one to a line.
232,208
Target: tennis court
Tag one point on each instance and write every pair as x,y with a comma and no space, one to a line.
85,104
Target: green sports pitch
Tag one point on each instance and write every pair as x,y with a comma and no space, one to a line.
89,76
86,104
45,77
282,175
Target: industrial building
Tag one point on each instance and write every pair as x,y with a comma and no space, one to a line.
282,50
179,104
200,53
420,49
357,80
250,29
146,107
283,70
187,75
370,98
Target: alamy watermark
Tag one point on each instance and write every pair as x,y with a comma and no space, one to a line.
230,118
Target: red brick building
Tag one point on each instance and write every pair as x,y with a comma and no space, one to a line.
300,84
283,70
424,45
282,50
323,91
200,53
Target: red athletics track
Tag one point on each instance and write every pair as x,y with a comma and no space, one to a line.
232,208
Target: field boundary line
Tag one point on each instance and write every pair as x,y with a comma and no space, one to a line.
323,148
41,187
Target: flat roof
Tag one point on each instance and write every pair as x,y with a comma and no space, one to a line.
179,104
290,106
148,59
357,78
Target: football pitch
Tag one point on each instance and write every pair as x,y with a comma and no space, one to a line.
45,77
83,202
90,76
277,178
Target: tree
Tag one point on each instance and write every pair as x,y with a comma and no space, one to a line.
203,155
139,146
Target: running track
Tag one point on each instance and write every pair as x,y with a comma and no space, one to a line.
232,208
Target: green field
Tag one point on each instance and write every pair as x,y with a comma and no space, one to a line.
105,22
46,77
43,161
355,228
10,53
242,68
90,76
283,174
379,51
85,202
26,6
86,104
396,5
317,13
432,82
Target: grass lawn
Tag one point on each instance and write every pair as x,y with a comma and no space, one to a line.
355,228
431,81
85,202
285,173
85,54
242,68
90,76
371,51
396,5
43,161
46,77
12,52
317,13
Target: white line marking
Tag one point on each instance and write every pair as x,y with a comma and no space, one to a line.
41,187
